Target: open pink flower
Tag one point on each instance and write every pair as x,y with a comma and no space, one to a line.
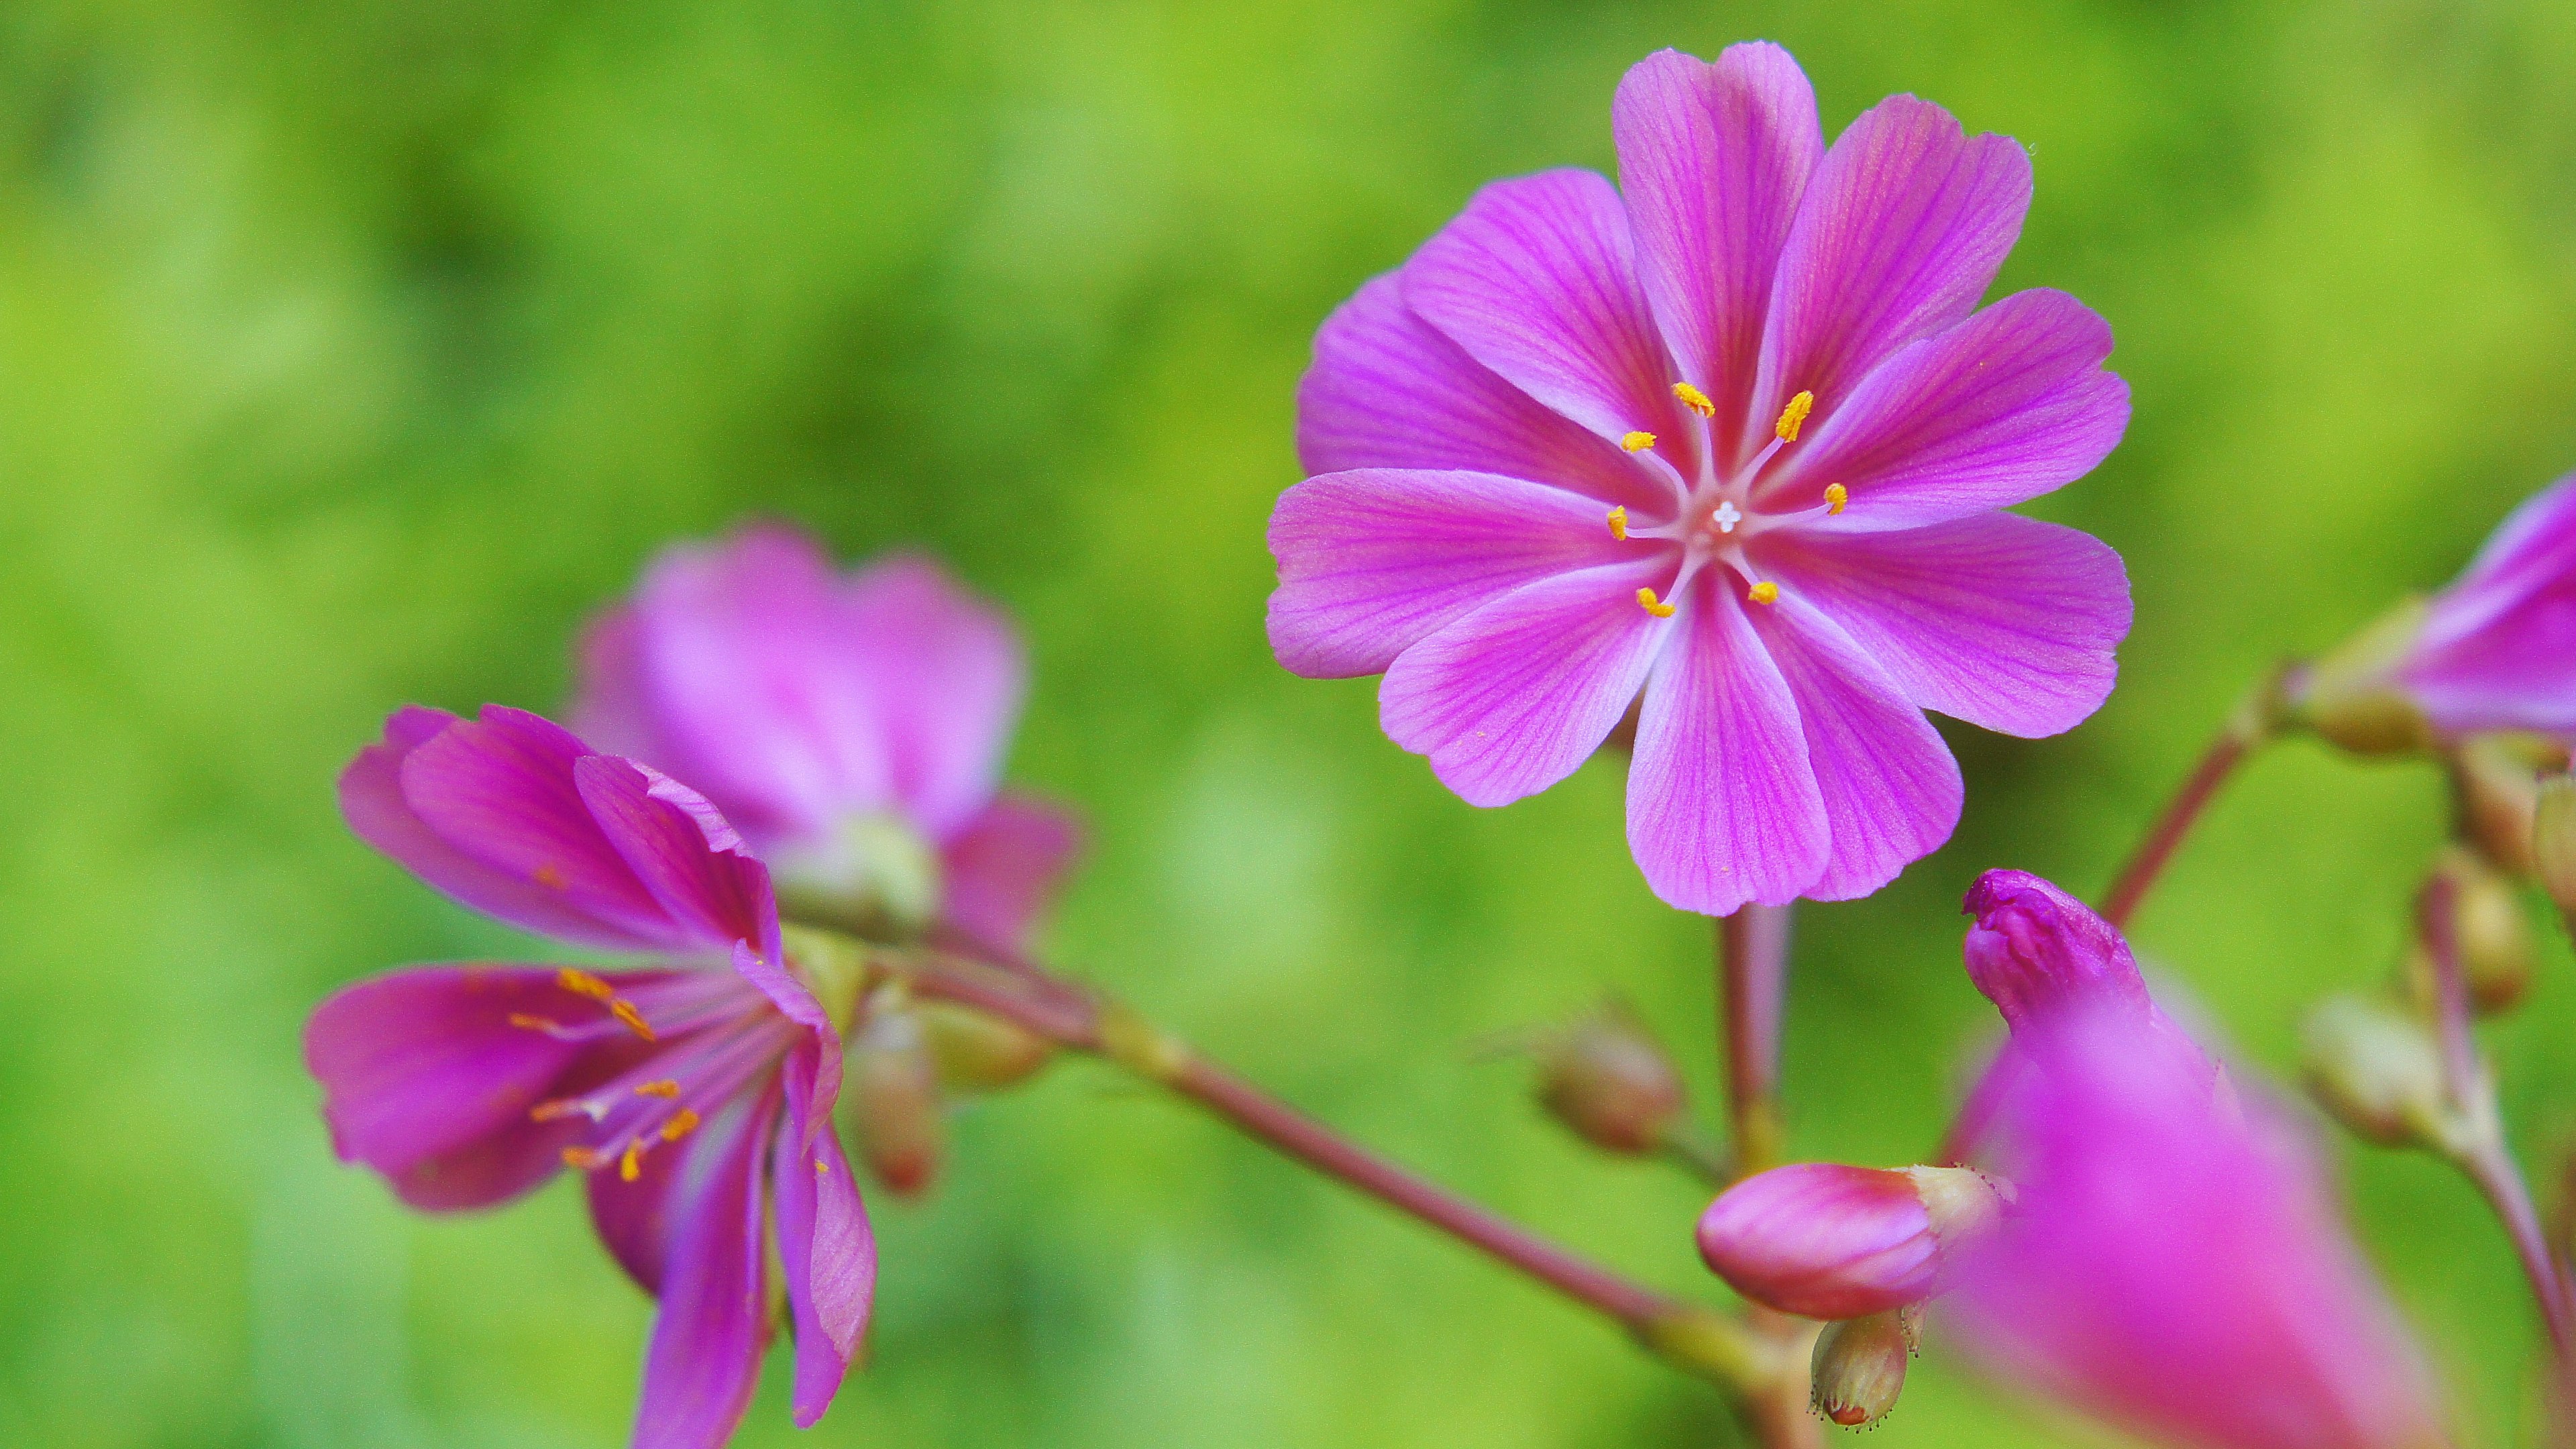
695,1092
853,727
2498,647
1739,439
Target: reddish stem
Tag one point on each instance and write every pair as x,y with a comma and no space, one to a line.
2250,724
1752,983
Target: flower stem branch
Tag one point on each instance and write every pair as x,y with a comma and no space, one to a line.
2251,724
1752,981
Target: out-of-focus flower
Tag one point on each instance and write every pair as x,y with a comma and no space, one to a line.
853,727
2174,1263
1822,1240
1740,440
2494,651
695,1093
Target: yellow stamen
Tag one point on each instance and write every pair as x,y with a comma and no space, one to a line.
1647,601
525,1022
682,1123
1836,495
1619,522
582,1159
551,876
1794,416
559,1107
1637,442
1765,592
1694,399
822,1167
630,1164
582,983
624,1010
663,1088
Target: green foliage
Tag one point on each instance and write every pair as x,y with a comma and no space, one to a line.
350,353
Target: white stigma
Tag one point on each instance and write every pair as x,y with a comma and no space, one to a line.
1727,516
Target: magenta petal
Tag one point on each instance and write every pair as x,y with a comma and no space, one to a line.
683,853
1511,698
2003,621
797,1004
633,1219
1537,281
1373,562
1001,872
945,676
2037,952
372,801
2003,407
2498,648
1722,803
612,708
713,1322
1898,235
825,1248
1388,390
1891,790
1822,1240
1713,159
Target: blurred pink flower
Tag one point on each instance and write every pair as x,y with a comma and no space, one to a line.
853,725
686,1090
2498,647
1739,440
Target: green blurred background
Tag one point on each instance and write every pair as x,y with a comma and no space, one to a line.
350,353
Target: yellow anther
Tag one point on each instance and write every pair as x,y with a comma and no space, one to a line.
630,1163
559,1107
1836,495
822,1167
1765,592
625,1011
551,876
582,1159
525,1022
663,1088
1794,416
1619,522
1637,442
1694,399
1647,601
682,1123
582,983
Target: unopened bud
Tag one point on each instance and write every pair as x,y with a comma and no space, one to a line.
2495,782
2491,930
1822,1240
890,1098
2553,840
2349,696
1607,1078
2375,1068
1859,1367
977,1052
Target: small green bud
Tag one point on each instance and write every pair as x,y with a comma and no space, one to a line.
890,1096
2495,788
1605,1076
1859,1367
2498,951
2348,697
976,1052
2553,840
2376,1069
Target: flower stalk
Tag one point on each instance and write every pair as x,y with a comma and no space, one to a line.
2252,724
1752,982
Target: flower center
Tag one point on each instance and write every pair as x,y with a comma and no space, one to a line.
717,1035
1715,517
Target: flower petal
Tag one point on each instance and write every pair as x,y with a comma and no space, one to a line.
684,853
1388,390
945,676
1511,698
1891,791
2498,649
713,1322
633,1219
1722,804
2003,621
1713,159
1536,279
1002,871
797,1003
2007,405
1372,562
825,1247
372,800
612,706
1898,235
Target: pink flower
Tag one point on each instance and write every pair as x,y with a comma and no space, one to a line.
852,725
695,1092
2175,1263
1822,1240
2498,647
1740,440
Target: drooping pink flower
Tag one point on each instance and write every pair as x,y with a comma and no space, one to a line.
2498,647
695,1092
853,727
1740,440
2175,1264
1822,1240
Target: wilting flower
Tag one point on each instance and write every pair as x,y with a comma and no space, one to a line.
852,726
694,1092
2494,651
1740,440
1822,1240
2175,1263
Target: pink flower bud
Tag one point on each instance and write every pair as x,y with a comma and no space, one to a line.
890,1094
1822,1240
1606,1077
